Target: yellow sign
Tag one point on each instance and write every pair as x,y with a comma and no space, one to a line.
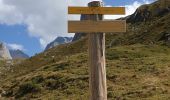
97,10
88,26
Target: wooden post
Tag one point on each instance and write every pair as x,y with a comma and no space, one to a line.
164,3
96,42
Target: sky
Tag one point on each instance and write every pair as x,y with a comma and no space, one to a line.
29,25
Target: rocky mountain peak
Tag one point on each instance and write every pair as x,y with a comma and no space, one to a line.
18,54
4,52
57,41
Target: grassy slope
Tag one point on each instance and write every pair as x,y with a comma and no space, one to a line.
1,63
48,57
4,68
142,32
133,72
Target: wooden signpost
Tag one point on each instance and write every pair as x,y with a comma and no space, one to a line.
97,27
96,10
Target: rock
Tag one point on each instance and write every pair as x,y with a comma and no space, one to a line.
4,52
58,41
149,11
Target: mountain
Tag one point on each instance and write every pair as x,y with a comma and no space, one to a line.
57,41
138,65
4,52
148,25
145,14
149,12
18,54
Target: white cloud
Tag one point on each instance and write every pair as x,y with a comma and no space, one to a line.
8,14
130,9
45,19
16,47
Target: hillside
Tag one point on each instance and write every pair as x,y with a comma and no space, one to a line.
145,65
18,54
150,12
2,63
138,66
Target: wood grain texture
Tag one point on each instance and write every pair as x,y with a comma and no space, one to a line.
97,10
96,42
97,26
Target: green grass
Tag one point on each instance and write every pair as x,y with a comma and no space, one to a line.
1,63
133,72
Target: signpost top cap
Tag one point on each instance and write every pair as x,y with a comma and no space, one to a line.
95,4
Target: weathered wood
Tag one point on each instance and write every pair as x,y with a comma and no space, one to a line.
97,10
164,3
96,42
97,26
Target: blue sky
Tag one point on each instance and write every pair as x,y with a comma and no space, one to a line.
18,34
30,28
121,2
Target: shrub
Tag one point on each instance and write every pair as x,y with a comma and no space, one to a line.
27,88
54,84
37,79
